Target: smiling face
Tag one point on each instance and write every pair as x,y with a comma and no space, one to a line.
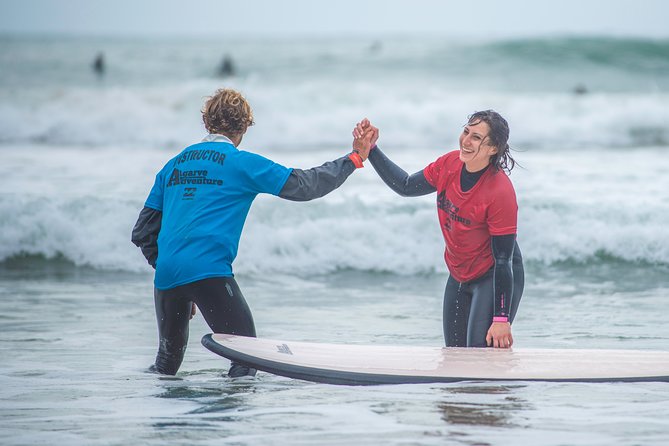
475,147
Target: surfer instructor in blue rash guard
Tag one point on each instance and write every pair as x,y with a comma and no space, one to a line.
192,220
477,210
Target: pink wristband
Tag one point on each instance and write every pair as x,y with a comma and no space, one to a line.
500,319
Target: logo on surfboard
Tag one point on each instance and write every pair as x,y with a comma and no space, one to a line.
284,349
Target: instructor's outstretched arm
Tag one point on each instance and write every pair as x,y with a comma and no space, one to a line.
305,185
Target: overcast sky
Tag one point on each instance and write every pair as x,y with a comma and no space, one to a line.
245,18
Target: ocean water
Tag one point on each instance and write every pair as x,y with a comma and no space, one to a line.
79,151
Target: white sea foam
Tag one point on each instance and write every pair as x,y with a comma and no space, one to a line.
79,153
574,206
318,114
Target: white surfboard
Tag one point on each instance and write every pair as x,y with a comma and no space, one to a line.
384,364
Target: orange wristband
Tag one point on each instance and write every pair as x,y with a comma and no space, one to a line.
357,160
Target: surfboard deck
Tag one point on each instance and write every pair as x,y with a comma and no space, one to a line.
385,364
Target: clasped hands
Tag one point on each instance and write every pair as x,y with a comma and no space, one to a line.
365,136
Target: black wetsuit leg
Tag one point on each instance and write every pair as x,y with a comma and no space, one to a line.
455,314
223,307
480,316
173,308
468,307
468,310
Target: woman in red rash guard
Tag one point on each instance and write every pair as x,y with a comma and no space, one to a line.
478,215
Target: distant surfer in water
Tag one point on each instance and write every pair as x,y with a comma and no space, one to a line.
226,68
99,64
477,209
192,220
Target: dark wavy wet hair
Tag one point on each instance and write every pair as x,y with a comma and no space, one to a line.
499,137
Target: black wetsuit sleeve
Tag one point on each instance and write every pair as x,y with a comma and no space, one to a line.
502,251
305,185
145,233
397,179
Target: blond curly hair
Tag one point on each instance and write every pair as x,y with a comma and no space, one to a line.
227,113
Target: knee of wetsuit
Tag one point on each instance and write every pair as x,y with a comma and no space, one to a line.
477,343
239,370
162,369
168,363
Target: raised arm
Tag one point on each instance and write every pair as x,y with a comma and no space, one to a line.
305,185
397,179
394,176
